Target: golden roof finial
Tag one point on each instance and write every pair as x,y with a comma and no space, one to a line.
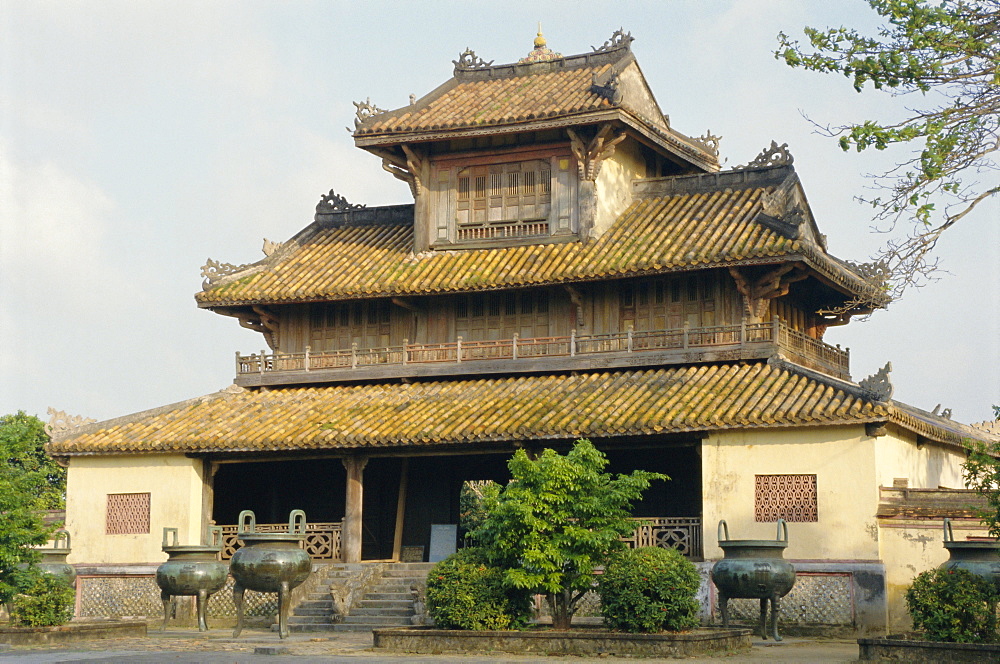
539,40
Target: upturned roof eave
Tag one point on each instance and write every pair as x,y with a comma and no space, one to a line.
668,141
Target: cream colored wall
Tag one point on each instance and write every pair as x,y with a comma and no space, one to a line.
928,466
614,184
909,547
176,488
842,458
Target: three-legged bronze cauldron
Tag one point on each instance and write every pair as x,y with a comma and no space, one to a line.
754,569
53,560
269,563
979,558
192,570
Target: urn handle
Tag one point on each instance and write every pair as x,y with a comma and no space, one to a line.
247,521
166,532
782,530
60,535
723,528
297,522
949,536
215,535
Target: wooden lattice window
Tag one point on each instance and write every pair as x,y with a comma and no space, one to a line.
788,497
128,514
504,200
481,317
668,303
338,325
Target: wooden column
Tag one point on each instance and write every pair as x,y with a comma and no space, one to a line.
351,529
397,540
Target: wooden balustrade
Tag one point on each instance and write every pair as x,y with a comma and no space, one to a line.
795,345
323,540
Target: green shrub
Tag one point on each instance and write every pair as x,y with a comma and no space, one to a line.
463,592
649,590
953,605
47,601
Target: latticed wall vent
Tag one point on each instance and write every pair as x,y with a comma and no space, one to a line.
788,497
128,514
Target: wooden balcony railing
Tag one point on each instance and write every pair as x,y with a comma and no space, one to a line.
683,534
323,539
745,340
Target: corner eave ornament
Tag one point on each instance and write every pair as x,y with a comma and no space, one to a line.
619,39
776,155
878,387
60,421
213,270
334,202
710,142
469,60
365,109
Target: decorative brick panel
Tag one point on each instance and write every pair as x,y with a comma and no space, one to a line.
128,514
788,497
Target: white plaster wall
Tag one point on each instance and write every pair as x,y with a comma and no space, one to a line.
614,184
842,458
928,466
174,483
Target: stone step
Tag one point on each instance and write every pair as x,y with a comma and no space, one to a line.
376,620
382,611
384,603
309,620
311,627
394,597
313,611
347,627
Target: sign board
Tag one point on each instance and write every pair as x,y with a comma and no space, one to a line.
444,538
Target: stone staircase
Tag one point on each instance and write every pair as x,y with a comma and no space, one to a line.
388,603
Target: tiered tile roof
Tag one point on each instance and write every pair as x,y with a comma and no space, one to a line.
463,412
657,234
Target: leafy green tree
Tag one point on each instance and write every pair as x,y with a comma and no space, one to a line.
981,472
944,57
559,518
30,482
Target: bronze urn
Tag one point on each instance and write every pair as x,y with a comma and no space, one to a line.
981,558
269,563
754,569
53,560
191,570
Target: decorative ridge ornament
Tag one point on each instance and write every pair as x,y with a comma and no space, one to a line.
60,421
334,202
213,270
775,155
876,273
709,141
989,426
878,387
365,109
469,60
541,52
619,39
270,246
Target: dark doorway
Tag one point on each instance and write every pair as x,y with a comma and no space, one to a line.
272,489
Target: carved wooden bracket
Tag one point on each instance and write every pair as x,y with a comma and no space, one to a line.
590,155
758,292
577,300
406,169
263,321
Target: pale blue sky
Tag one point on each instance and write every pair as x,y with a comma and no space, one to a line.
138,139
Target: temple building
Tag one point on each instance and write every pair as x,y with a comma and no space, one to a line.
570,266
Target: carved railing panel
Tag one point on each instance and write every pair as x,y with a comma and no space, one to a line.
681,533
795,345
322,540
